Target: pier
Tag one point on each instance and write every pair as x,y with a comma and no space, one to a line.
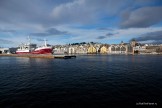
64,56
28,55
50,56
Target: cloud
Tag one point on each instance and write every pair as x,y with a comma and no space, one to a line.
151,36
106,36
105,28
50,13
50,32
44,17
9,30
15,12
101,37
86,11
38,39
55,31
4,41
142,17
111,34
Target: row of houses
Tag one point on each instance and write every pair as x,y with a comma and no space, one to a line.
143,49
121,48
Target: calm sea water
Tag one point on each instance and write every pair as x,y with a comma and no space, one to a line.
91,80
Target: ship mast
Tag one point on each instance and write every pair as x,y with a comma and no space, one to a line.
29,40
45,42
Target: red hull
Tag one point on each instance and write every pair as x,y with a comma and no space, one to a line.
43,51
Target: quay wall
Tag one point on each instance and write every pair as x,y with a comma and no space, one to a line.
29,55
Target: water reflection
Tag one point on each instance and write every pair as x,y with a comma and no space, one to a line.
96,80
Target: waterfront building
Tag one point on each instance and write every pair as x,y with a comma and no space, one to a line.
71,50
122,48
81,49
13,50
91,50
139,49
4,50
104,50
97,48
152,49
59,49
7,50
129,49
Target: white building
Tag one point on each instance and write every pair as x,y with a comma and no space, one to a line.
4,50
118,49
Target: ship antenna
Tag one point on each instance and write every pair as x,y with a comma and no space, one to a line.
45,42
29,40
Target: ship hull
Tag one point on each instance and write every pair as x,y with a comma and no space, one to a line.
37,51
43,51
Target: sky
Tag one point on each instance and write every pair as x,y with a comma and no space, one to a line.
72,21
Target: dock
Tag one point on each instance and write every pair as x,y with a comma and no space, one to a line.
28,55
50,56
64,56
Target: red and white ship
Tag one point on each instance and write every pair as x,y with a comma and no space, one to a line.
43,49
32,49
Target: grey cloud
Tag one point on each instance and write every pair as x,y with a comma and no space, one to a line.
55,31
111,34
15,12
142,17
48,13
106,36
104,28
143,3
157,42
9,30
50,32
4,41
87,11
53,12
101,37
40,34
153,36
38,39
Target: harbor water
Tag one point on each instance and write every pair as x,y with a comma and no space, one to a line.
88,80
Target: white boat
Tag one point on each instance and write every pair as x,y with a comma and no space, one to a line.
26,48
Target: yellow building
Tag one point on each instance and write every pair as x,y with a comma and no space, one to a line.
103,50
92,50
